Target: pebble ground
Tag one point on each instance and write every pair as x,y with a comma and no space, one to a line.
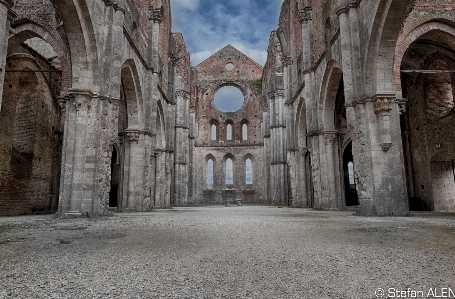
227,252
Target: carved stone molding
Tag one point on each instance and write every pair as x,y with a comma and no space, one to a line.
174,59
182,94
286,60
402,104
266,108
382,104
305,15
276,94
193,109
156,14
349,4
329,137
133,135
385,146
62,104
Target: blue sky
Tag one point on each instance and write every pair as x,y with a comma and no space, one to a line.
209,25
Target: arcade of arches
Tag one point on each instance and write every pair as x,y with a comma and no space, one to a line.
354,107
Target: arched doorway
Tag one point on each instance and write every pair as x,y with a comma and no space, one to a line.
115,179
350,191
427,125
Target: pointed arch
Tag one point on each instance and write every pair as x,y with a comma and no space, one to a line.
133,95
81,35
388,19
329,89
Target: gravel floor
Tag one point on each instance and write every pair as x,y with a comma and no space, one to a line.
227,252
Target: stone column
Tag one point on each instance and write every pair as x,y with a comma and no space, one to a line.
5,5
133,138
82,102
155,18
329,138
305,18
266,154
181,147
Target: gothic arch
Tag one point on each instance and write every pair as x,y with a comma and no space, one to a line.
329,89
388,19
434,28
82,42
30,29
133,95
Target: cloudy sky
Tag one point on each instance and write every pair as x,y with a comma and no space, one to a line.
209,25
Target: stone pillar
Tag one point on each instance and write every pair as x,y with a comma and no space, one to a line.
192,186
329,138
181,148
266,154
133,139
74,154
305,18
279,194
155,18
5,19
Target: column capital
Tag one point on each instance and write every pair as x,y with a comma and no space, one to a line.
329,137
305,15
192,109
382,103
182,94
156,14
348,4
286,60
133,135
174,59
276,94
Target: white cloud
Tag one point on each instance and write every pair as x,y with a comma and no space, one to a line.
245,24
199,57
188,4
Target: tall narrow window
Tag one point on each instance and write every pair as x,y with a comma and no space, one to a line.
248,172
229,172
245,132
351,173
210,172
229,132
213,132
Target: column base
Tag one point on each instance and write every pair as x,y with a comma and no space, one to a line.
130,210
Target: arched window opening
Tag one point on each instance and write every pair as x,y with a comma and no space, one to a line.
210,172
229,132
248,172
229,99
244,132
213,132
351,173
229,172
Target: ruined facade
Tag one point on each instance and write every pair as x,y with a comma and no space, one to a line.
101,110
365,100
228,144
95,105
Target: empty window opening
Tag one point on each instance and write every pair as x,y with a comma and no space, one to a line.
229,132
213,132
229,172
245,132
248,172
229,99
210,172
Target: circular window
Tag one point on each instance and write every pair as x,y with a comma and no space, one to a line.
230,66
229,99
